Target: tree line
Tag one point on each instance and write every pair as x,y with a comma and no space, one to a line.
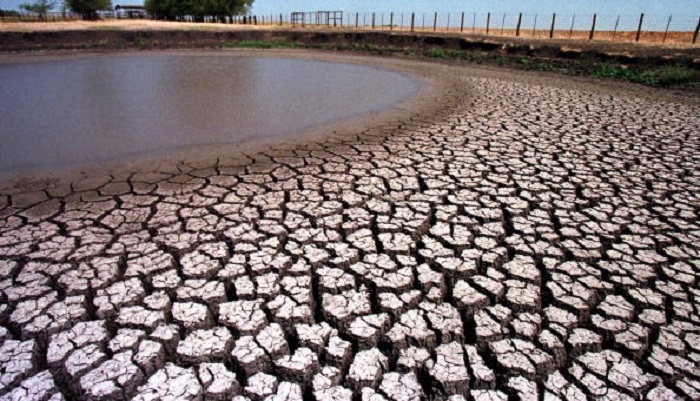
158,9
197,9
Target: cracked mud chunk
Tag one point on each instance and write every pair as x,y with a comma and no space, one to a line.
249,356
191,315
483,376
401,387
245,317
411,328
342,308
273,340
260,386
218,382
18,361
64,343
338,352
521,357
150,356
115,379
448,372
412,359
206,345
123,293
287,391
171,382
40,387
299,367
368,330
367,369
140,317
210,292
315,336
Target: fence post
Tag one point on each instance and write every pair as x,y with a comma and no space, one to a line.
488,23
448,22
571,30
534,26
639,28
413,21
373,20
551,30
357,20
668,24
697,30
435,23
391,22
503,23
617,22
474,24
590,37
461,25
517,29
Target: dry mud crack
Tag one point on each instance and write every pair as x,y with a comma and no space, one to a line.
534,242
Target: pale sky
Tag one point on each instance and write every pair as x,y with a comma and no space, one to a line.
685,12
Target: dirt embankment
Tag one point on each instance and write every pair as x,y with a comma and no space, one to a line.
637,54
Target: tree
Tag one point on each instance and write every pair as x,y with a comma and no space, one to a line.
198,9
88,8
41,7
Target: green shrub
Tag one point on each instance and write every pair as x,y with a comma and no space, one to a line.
437,52
675,75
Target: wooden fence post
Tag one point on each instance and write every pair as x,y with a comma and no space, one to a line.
517,29
617,22
590,36
571,30
503,23
373,20
435,23
461,25
413,21
639,28
448,22
391,22
534,26
668,24
488,22
551,30
357,20
697,30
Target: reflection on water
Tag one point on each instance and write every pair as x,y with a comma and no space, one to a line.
106,108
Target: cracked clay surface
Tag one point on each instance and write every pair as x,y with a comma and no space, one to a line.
531,242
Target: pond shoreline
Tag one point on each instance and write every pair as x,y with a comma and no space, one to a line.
601,59
442,93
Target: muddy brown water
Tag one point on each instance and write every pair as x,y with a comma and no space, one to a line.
85,110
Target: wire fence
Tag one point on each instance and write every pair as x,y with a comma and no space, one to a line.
641,28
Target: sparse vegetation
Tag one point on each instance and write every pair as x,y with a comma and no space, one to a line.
663,76
260,44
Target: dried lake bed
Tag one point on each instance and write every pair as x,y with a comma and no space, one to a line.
500,235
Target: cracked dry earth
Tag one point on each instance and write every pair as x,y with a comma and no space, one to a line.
537,243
